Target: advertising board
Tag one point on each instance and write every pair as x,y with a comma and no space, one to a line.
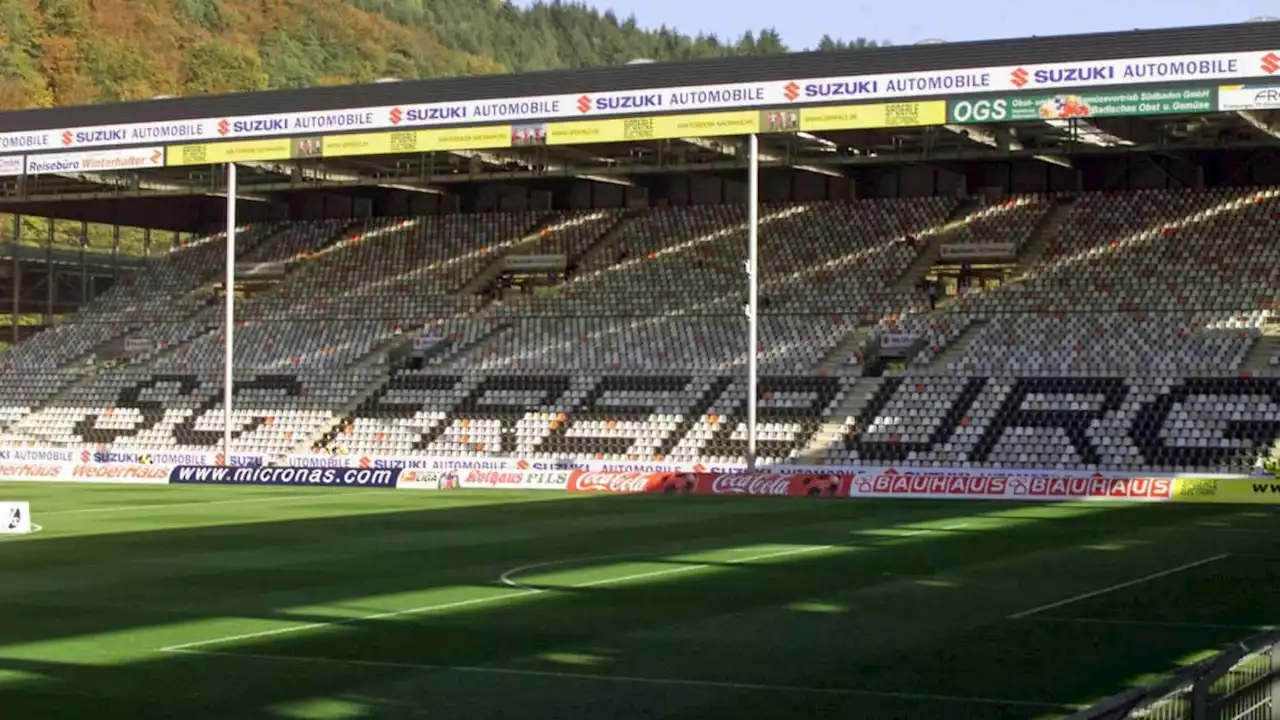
515,479
11,165
1228,490
1235,98
1120,102
586,103
126,474
95,161
961,484
869,117
293,476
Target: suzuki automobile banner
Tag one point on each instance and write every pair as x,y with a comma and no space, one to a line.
587,103
326,477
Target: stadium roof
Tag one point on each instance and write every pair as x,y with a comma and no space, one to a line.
188,196
947,56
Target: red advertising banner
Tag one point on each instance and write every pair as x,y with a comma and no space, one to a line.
744,484
1008,485
808,485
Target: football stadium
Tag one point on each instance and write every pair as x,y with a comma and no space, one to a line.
938,381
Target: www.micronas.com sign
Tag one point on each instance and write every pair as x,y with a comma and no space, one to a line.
1066,106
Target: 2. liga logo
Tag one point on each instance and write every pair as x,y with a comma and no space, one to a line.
15,518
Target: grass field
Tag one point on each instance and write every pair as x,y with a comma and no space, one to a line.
201,602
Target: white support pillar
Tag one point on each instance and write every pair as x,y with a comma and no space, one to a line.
228,350
753,308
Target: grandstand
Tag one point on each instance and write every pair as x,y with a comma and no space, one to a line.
945,285
1087,269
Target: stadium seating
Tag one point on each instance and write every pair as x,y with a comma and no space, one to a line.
1122,348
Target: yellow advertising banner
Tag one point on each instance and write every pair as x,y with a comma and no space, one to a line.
474,138
586,132
1244,491
384,143
869,117
746,122
658,127
227,152
582,132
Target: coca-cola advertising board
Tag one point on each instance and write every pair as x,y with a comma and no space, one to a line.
628,483
766,485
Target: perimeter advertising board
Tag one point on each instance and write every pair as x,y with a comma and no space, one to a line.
1123,102
1236,98
585,104
1228,490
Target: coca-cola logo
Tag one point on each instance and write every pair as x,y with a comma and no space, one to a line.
751,485
612,482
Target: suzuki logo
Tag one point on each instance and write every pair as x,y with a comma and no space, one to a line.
1270,63
67,138
791,90
396,116
522,464
1020,78
224,127
584,104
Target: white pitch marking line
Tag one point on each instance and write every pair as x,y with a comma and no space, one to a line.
505,596
166,506
1119,586
1149,623
628,679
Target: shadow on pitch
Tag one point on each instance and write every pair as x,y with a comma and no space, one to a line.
721,622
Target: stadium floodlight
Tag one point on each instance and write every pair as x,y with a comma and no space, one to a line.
229,296
753,321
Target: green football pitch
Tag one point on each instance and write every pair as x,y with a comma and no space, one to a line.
238,602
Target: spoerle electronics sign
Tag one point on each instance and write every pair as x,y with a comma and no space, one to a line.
12,165
330,477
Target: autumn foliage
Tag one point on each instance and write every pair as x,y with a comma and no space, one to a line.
71,52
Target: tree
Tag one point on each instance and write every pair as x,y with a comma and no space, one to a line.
214,66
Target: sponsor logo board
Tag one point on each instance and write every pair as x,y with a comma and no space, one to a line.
1006,485
1120,102
92,161
12,165
1245,491
36,471
515,479
422,480
301,476
1236,98
743,95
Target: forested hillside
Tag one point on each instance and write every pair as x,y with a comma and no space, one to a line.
71,52
63,52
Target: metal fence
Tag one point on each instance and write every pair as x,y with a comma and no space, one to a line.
1238,683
